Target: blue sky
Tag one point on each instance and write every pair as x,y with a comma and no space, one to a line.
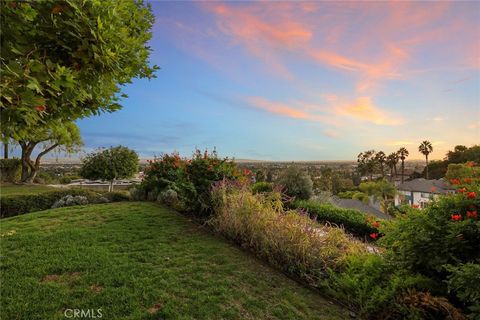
303,80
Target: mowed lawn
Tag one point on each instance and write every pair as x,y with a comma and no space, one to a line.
138,260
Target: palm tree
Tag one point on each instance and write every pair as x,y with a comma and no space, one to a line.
366,163
403,154
391,162
426,148
381,158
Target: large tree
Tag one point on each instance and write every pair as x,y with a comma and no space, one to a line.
425,148
65,60
403,154
57,135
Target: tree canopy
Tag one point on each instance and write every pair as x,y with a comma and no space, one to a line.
65,60
68,59
110,164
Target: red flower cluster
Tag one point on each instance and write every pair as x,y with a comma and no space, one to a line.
247,172
456,217
455,181
462,190
40,108
471,195
374,235
415,206
472,214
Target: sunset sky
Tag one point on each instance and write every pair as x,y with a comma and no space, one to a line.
303,81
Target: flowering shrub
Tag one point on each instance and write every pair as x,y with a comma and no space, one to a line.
432,242
191,179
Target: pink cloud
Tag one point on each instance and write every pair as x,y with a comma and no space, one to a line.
363,109
279,108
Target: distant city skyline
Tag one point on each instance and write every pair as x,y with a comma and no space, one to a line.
303,81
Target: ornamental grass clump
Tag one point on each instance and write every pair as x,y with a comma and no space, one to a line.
286,238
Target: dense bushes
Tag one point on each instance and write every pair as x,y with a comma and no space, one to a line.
190,179
13,205
10,170
441,242
323,257
261,187
353,221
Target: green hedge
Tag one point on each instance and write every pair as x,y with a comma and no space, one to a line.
14,205
10,169
352,220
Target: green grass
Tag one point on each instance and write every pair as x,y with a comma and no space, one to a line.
12,189
139,261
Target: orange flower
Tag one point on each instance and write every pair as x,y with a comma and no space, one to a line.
462,190
470,164
40,108
467,180
376,224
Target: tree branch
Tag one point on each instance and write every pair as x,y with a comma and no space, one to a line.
41,154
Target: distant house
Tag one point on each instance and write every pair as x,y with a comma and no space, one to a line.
360,206
419,192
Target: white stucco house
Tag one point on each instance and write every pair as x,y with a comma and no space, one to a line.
419,192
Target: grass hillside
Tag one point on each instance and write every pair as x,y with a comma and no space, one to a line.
139,261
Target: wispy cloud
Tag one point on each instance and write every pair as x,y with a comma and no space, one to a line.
279,108
364,109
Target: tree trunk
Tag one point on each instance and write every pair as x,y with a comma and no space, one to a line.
30,168
27,163
5,150
110,186
403,169
426,168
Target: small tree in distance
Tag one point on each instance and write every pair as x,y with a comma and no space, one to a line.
110,164
297,183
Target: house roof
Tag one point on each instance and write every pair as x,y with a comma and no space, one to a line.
360,206
427,186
